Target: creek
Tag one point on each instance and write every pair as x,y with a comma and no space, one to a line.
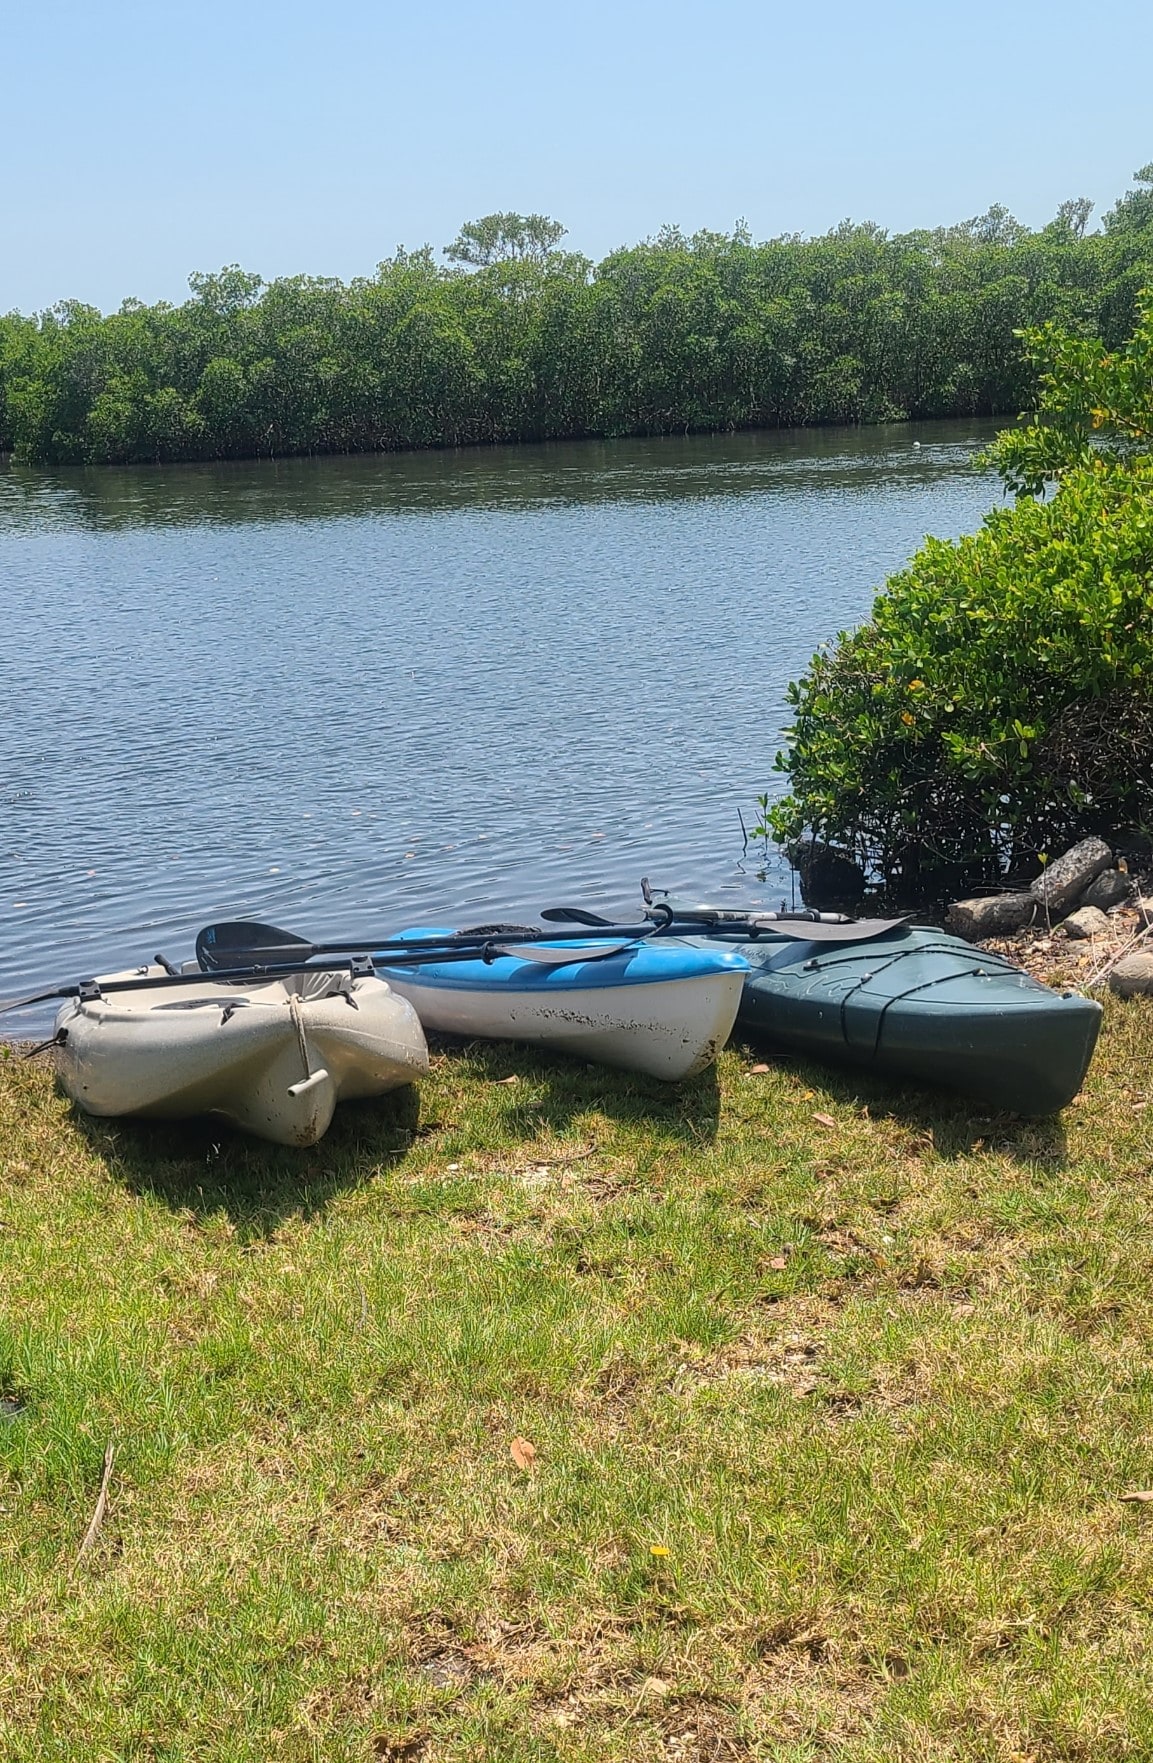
348,694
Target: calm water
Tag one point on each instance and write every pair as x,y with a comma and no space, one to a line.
347,694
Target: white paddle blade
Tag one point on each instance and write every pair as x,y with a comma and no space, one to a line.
562,957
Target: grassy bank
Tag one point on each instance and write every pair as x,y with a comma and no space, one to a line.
834,1391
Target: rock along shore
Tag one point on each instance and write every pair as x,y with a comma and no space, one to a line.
1084,920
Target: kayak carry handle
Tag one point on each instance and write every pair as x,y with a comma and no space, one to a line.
308,1083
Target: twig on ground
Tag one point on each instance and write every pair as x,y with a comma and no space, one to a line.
1116,955
93,1532
574,1156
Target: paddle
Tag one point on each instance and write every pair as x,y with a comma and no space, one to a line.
407,956
824,928
243,942
804,927
144,982
573,915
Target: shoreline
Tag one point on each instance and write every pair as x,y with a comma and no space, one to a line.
1048,954
487,445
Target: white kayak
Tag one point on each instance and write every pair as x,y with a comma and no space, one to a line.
661,1008
271,1056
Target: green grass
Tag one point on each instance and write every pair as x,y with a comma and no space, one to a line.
870,1390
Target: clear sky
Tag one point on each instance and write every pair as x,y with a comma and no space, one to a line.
144,141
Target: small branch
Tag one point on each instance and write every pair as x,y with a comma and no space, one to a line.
1119,954
1137,429
93,1532
573,1156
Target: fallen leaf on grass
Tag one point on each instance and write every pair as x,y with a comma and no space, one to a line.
1138,1497
522,1453
824,1119
508,1080
756,1070
778,1261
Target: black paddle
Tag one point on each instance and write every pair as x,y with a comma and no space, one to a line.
823,928
144,982
244,943
746,923
290,957
573,915
804,925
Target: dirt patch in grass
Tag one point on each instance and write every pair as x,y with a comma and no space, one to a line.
401,1748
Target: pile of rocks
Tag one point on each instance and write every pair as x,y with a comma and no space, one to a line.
1081,898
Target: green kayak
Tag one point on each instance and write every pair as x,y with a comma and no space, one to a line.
917,1003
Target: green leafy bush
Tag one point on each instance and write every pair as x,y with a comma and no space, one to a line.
1000,700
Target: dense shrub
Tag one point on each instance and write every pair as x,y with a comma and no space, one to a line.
1000,700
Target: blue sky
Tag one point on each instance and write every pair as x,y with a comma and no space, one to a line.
142,142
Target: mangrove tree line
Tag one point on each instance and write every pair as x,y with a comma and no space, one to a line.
515,338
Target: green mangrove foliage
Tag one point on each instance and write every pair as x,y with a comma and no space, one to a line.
516,339
1000,700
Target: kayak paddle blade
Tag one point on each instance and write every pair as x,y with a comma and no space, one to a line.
245,944
38,998
574,915
824,930
547,957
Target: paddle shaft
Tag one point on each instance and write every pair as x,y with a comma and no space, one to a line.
243,944
491,950
681,921
737,925
151,982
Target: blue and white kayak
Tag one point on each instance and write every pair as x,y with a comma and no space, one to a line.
664,1009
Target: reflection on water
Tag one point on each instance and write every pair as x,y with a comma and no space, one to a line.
343,694
700,468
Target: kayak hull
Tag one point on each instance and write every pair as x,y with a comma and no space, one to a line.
272,1058
920,1005
664,1010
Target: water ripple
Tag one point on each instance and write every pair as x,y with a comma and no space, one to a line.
346,694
